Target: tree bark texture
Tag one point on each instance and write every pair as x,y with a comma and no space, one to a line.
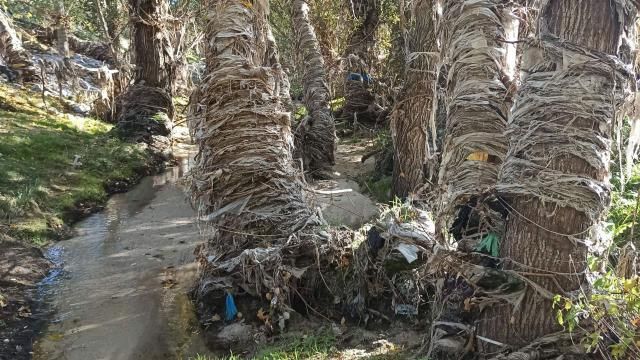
145,111
359,101
153,53
480,65
555,176
12,52
413,121
316,136
62,24
247,190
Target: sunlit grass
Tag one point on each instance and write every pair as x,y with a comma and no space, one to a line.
39,182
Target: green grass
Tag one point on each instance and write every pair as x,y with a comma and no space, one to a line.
39,183
317,347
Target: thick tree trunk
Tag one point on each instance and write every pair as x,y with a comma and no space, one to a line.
151,46
316,135
413,121
359,101
62,40
481,65
555,176
245,184
12,52
146,109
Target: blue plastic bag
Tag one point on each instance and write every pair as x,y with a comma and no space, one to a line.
230,310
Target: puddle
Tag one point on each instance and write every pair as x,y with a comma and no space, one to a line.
119,290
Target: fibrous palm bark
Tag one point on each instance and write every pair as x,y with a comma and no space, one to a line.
555,176
12,52
481,64
152,48
146,109
315,137
413,121
62,22
359,101
245,184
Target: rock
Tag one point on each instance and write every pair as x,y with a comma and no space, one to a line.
234,335
81,109
36,88
351,208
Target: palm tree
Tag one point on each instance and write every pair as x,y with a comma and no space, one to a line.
245,184
11,50
555,175
480,63
359,101
147,106
413,118
315,138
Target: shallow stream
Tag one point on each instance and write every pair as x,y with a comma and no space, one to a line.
119,291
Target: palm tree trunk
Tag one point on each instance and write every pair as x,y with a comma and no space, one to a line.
555,176
359,101
480,64
11,50
152,48
146,109
62,41
315,138
414,116
245,184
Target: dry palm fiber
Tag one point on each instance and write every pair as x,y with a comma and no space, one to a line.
12,52
360,103
555,175
249,194
479,63
144,112
413,121
315,137
591,78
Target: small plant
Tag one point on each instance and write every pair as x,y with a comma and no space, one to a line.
610,316
403,211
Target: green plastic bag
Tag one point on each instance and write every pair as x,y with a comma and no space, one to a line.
489,245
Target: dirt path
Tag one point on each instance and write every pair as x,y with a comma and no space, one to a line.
341,199
122,293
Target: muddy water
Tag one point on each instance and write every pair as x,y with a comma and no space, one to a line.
120,290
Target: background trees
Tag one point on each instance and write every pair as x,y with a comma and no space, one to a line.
316,135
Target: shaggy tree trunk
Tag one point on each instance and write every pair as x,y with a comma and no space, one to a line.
555,175
12,52
62,41
413,120
359,101
146,109
480,65
245,184
315,137
151,46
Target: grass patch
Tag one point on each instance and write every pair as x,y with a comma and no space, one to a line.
317,347
39,182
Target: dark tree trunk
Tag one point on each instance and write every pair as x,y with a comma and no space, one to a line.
145,110
413,120
315,137
359,101
62,40
151,46
555,176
